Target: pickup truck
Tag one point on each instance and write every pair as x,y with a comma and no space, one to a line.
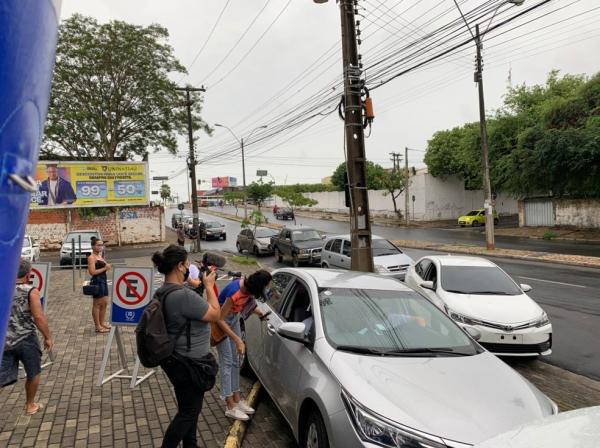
301,244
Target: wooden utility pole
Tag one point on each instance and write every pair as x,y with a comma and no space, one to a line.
192,162
407,182
360,226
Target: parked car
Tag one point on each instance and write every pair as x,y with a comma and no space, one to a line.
476,218
369,362
388,259
579,428
301,244
66,248
284,213
177,219
30,250
257,241
212,230
475,292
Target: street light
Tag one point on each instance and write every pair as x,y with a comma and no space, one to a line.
241,142
487,186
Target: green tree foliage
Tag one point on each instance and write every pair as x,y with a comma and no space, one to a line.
394,184
235,198
374,176
295,199
306,188
259,191
546,139
111,95
165,192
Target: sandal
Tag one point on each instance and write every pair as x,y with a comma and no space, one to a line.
38,408
102,330
107,325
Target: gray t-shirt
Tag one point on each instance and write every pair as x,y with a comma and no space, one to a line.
181,305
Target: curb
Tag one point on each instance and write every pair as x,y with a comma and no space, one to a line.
238,429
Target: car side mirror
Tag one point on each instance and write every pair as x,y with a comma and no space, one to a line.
294,331
525,287
473,332
427,285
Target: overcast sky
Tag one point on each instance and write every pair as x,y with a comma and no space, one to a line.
408,110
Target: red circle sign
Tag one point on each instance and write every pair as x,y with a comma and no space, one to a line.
37,274
138,297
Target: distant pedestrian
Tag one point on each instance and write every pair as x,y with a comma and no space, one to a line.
98,267
180,236
21,342
183,306
233,298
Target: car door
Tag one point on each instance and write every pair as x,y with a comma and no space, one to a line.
346,255
245,239
336,254
287,360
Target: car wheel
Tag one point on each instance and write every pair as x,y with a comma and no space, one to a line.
278,255
238,247
324,265
295,261
315,435
475,224
245,368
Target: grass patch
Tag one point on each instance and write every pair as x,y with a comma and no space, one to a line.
244,260
549,235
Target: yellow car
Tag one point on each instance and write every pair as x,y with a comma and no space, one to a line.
475,218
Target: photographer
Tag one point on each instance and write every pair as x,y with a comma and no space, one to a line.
233,299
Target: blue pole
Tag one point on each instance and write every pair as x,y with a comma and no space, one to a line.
28,34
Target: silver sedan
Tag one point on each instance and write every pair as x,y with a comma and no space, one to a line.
357,360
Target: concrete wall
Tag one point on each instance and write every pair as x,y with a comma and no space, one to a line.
584,213
126,226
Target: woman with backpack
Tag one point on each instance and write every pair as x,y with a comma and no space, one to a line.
187,317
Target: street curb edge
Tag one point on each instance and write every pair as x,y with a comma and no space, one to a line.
238,429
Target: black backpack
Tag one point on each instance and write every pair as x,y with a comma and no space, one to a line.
154,345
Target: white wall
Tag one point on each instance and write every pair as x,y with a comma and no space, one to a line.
583,213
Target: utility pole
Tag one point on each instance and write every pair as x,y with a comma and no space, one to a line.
360,226
192,162
244,179
395,161
487,188
407,180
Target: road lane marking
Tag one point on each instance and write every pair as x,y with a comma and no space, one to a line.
550,281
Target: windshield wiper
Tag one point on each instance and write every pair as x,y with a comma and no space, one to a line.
456,291
500,293
361,350
423,350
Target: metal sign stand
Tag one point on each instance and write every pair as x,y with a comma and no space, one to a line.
134,379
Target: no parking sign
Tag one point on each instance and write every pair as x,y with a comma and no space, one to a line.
40,278
131,292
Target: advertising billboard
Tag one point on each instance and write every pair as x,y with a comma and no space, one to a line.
90,184
222,182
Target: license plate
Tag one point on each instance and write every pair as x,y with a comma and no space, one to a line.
510,338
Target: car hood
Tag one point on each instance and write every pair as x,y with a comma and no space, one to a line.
465,399
310,244
577,428
215,229
393,260
264,241
498,309
84,246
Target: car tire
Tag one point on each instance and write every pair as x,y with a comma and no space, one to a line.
324,265
278,255
475,224
245,368
238,247
295,261
315,432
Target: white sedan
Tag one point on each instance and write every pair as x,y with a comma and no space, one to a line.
30,250
475,292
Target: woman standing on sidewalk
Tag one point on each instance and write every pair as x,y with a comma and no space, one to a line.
181,306
98,267
233,299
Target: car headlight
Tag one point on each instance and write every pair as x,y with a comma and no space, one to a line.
25,251
380,269
375,429
461,318
543,320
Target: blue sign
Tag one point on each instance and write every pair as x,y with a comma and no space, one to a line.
132,291
91,190
130,189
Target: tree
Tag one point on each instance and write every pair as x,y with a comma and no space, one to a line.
294,199
374,174
394,183
234,198
165,192
111,95
254,220
259,191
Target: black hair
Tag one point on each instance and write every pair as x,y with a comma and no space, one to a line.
256,283
24,268
169,258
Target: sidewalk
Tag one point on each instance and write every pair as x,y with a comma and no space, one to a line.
77,412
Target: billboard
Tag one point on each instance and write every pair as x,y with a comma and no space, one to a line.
222,182
90,184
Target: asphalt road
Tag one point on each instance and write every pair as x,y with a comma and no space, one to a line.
570,295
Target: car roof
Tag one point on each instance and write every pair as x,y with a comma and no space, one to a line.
298,228
338,278
460,260
348,237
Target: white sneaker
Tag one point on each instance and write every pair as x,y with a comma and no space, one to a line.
243,406
237,414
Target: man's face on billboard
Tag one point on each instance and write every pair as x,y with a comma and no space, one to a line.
52,172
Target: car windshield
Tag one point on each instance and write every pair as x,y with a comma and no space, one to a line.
26,244
478,280
265,233
473,213
305,235
285,210
213,224
389,322
86,237
384,247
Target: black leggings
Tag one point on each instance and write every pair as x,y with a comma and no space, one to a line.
189,404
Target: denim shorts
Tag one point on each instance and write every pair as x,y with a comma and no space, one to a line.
27,351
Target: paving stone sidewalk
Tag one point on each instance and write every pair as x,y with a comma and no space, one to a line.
77,412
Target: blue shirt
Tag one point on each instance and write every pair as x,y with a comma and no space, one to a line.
229,290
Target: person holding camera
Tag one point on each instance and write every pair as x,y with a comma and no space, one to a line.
233,299
183,308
